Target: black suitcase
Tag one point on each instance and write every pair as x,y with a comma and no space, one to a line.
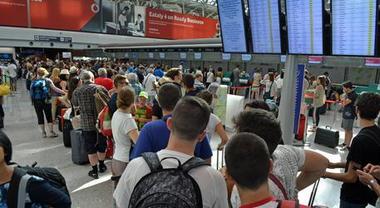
67,127
327,137
78,148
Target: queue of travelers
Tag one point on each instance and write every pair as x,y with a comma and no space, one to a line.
162,125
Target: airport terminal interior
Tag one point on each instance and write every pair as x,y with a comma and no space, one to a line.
89,86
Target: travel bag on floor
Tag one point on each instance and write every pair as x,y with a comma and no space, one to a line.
78,148
327,137
67,127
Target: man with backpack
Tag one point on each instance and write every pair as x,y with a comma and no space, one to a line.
174,177
365,149
154,136
252,171
29,186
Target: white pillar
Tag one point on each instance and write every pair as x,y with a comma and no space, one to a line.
288,94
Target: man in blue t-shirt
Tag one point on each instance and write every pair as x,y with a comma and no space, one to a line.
154,136
158,72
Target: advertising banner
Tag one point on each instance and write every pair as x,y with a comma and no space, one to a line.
14,13
62,14
106,16
173,25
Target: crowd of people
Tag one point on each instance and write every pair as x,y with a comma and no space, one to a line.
162,123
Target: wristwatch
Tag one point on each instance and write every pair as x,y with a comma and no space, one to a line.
373,182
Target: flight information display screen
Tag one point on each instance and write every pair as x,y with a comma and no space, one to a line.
265,26
354,27
231,16
305,26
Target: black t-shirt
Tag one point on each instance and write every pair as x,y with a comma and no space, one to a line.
364,149
349,110
156,109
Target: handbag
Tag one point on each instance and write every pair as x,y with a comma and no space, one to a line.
4,89
327,137
104,122
266,95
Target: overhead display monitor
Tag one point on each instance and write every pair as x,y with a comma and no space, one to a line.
264,18
354,27
305,26
231,16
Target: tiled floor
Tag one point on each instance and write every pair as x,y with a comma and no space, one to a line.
21,126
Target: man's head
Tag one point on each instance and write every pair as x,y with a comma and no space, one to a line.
206,96
102,72
189,119
168,96
262,123
248,161
87,76
188,81
120,81
199,76
132,78
175,74
368,106
347,87
257,104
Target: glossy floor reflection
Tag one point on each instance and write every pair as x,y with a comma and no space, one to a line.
21,126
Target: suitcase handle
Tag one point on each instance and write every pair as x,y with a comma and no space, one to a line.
329,127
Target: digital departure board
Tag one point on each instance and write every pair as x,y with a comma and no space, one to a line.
231,16
305,26
265,26
354,27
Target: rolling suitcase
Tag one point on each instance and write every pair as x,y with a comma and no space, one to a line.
78,148
327,137
67,127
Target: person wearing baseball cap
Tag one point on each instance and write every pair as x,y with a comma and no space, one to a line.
143,109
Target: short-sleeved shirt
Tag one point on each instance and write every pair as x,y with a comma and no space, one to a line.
143,112
112,103
39,194
154,136
85,99
211,183
269,202
156,109
349,110
105,82
122,124
287,161
364,149
211,126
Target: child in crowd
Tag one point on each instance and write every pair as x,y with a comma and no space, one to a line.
143,110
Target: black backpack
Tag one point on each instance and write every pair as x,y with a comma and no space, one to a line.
169,187
52,175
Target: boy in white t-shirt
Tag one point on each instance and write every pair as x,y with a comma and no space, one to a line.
187,125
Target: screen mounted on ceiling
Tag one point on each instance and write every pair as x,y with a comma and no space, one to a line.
232,24
354,27
305,26
264,18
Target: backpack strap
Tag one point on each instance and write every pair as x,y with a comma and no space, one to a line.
288,204
22,190
13,192
279,185
152,160
193,162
